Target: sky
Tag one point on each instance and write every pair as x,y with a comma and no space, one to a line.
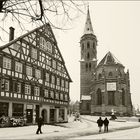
116,25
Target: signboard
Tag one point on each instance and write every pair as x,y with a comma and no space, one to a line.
29,106
86,97
111,86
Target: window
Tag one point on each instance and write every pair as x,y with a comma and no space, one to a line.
5,85
110,74
89,66
49,46
34,53
37,73
18,67
58,81
42,42
4,108
53,79
54,64
27,89
62,83
57,96
88,56
100,76
18,87
123,97
82,46
99,97
17,109
52,94
47,77
66,97
6,63
86,66
28,70
61,96
66,84
111,98
88,46
37,91
46,93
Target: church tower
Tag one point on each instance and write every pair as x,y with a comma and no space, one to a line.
88,63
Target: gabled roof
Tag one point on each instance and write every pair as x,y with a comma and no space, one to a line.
88,25
109,59
34,30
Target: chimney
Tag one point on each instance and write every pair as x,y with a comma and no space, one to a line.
11,34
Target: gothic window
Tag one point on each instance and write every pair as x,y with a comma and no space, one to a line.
110,74
123,96
111,98
6,63
82,46
99,76
88,56
99,97
86,66
90,66
88,45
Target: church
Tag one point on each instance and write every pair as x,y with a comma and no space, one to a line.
104,86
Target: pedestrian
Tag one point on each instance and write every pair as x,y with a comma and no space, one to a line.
100,123
39,123
106,123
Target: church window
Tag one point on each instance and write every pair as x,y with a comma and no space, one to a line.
82,46
86,66
111,98
100,76
110,74
88,56
88,45
123,96
89,66
99,97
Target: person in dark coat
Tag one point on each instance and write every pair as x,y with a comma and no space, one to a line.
106,123
100,123
39,123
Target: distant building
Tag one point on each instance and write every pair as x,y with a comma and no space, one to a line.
104,87
34,80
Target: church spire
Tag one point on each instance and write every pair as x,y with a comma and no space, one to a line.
88,25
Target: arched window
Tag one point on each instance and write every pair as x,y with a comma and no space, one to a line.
89,66
88,45
123,96
99,97
110,74
82,46
86,66
88,56
99,76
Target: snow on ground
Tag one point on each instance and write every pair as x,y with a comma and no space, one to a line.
88,126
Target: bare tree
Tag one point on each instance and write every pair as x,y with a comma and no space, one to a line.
39,11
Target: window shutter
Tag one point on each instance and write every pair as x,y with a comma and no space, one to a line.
32,90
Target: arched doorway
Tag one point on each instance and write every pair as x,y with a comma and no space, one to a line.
44,115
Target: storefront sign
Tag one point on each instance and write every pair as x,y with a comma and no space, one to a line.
29,106
111,86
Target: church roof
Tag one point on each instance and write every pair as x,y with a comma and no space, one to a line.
109,59
88,25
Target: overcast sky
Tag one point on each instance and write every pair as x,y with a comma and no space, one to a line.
117,27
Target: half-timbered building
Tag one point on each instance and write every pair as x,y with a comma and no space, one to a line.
34,80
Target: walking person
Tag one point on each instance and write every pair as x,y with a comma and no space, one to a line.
106,123
100,123
39,123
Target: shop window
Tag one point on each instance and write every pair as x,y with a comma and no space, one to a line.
4,109
61,115
17,109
